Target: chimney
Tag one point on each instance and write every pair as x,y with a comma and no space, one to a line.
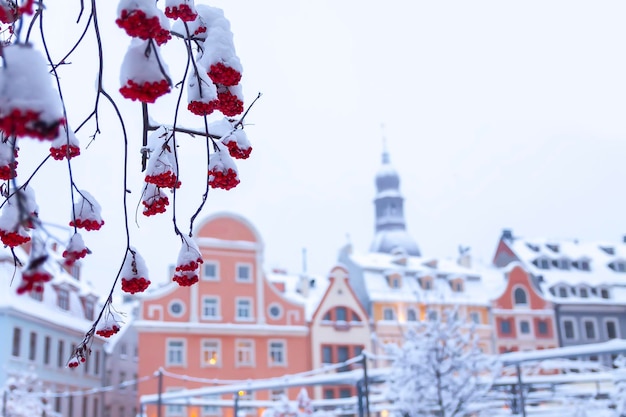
304,285
507,234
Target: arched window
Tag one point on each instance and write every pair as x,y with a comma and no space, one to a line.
520,297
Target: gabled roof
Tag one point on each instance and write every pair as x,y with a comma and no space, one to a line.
597,255
292,284
378,266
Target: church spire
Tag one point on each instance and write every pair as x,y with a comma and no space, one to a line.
390,226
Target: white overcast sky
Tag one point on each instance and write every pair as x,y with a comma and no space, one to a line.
497,114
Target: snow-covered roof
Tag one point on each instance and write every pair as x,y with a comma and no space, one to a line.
47,309
293,283
571,263
378,266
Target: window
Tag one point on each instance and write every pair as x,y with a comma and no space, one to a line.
174,410
122,379
175,352
388,313
611,329
47,342
244,352
604,293
211,271
275,311
244,309
95,410
327,354
176,308
432,315
123,350
211,352
524,327
520,297
343,354
96,365
475,317
355,317
211,308
395,283
341,314
32,346
584,265
61,354
411,315
542,327
542,263
211,410
505,327
36,295
457,286
63,298
590,328
277,353
244,273
583,292
563,292
564,263
568,329
89,307
345,392
329,394
17,341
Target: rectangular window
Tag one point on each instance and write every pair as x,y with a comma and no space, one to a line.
475,317
211,352
175,352
524,327
341,314
211,410
388,313
89,307
96,409
505,327
61,354
123,350
590,329
96,365
542,327
277,353
244,273
244,352
174,409
47,343
17,341
611,329
244,309
122,379
327,354
32,346
211,271
329,394
84,407
343,354
210,308
568,329
63,298
345,392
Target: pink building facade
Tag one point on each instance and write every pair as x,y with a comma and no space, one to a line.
232,325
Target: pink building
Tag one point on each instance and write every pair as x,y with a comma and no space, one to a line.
232,325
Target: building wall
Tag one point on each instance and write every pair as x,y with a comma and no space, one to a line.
227,241
534,311
351,334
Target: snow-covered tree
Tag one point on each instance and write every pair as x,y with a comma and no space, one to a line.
47,99
25,396
439,370
301,407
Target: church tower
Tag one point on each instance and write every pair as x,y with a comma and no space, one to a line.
391,234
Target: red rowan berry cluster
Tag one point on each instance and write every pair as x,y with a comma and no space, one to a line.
134,273
10,11
29,123
75,250
164,180
222,74
183,12
33,280
108,332
223,179
138,25
64,152
237,144
87,224
200,108
228,103
147,92
185,279
188,263
154,200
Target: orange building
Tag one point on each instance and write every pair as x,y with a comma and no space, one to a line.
231,325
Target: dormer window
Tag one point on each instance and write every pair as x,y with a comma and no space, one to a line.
608,249
553,247
394,281
563,292
542,263
584,265
604,293
457,286
426,283
534,248
63,298
618,266
583,292
562,263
